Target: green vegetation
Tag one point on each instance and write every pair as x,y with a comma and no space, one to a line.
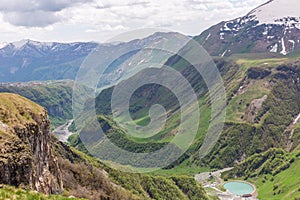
259,139
284,185
56,97
271,162
275,174
161,187
242,139
185,168
12,193
15,109
72,128
75,141
86,170
263,101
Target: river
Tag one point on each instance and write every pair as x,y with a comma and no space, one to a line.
62,132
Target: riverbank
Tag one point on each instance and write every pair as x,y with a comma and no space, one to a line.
62,132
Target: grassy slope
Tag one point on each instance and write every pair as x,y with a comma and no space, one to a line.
11,193
15,109
285,185
142,186
238,131
233,76
55,97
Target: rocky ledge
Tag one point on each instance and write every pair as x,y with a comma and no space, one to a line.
26,157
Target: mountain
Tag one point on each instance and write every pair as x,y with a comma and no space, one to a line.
31,159
261,134
272,28
29,60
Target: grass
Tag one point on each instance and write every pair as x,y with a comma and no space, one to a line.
15,109
285,185
12,193
238,105
182,169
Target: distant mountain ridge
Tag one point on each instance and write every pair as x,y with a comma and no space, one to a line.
273,28
28,60
24,47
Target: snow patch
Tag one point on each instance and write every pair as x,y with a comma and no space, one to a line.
226,28
3,44
224,53
266,32
293,42
207,37
283,52
274,48
20,44
222,36
297,119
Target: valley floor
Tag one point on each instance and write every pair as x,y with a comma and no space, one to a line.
62,132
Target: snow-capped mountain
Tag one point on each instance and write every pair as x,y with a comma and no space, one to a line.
40,49
29,60
273,27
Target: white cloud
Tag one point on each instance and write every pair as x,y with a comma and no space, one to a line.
35,13
69,20
31,19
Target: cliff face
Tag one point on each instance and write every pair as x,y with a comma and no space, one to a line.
26,158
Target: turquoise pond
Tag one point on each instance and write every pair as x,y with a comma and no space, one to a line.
239,188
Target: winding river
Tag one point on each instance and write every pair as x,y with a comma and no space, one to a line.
62,132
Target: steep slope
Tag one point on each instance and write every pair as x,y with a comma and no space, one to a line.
27,158
54,96
26,155
13,193
31,159
274,173
272,28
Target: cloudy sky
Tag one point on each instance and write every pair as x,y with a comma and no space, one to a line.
98,20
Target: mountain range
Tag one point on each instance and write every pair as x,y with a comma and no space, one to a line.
258,58
28,60
272,29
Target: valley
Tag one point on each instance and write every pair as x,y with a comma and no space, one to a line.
62,132
218,122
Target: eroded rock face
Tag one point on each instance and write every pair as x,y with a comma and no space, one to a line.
26,158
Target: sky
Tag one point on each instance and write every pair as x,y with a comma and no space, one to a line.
99,20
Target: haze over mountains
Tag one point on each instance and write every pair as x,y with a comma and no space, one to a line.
30,60
272,29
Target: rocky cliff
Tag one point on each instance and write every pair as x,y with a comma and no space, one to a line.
26,158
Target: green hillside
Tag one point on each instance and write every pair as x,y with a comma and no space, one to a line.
8,192
55,96
262,103
82,176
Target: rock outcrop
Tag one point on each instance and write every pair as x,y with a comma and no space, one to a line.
26,158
